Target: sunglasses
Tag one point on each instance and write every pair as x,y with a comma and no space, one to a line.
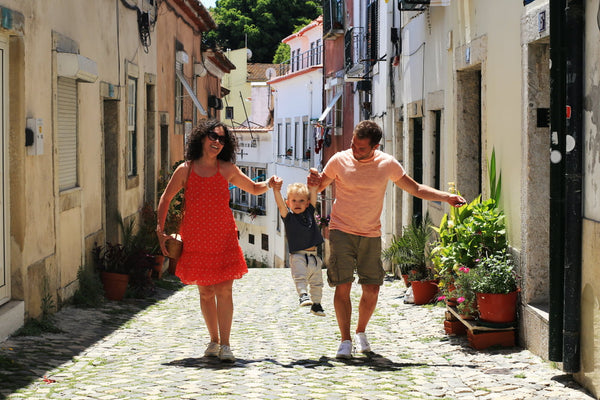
213,136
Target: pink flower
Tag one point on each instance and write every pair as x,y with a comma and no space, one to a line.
466,270
460,299
441,298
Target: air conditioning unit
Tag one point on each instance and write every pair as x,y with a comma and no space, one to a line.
215,102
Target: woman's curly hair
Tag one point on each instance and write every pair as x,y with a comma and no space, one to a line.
194,144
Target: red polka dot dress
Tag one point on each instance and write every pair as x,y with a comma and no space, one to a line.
211,252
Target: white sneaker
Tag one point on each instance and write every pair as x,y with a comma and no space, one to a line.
212,350
362,344
225,354
345,350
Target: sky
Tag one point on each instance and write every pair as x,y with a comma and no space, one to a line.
208,3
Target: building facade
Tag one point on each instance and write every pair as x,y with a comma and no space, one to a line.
78,98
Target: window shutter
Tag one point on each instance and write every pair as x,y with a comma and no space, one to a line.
373,32
67,133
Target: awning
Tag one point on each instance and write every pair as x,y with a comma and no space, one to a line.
330,106
188,88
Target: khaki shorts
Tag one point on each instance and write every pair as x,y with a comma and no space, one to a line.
349,253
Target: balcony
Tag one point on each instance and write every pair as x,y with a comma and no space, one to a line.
301,61
333,19
355,50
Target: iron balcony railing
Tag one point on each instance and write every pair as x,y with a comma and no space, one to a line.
307,59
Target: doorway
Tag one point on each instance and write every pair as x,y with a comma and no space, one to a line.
111,170
417,165
4,231
468,136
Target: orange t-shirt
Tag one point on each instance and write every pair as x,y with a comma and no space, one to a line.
359,191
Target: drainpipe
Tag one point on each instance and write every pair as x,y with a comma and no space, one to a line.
557,149
575,20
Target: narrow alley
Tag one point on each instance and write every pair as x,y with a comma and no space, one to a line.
154,350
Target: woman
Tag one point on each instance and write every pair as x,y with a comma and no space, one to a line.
211,257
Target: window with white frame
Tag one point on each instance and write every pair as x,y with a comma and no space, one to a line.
297,140
280,140
242,194
289,143
259,175
131,126
318,50
305,141
338,113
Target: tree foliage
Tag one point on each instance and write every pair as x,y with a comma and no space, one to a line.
262,23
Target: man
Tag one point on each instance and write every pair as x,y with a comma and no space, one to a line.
361,175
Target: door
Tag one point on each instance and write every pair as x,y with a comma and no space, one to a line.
4,222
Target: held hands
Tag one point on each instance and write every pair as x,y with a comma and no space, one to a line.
313,178
275,182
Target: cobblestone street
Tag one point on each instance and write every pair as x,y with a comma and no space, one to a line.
154,350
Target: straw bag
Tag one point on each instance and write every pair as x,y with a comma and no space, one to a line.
174,243
174,246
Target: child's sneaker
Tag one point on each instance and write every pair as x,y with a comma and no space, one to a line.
317,309
305,300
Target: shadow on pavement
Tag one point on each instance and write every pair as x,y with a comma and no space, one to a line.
370,360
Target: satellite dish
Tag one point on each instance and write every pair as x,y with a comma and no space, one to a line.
248,54
270,73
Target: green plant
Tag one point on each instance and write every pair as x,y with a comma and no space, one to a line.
90,292
495,274
175,213
129,257
147,230
410,251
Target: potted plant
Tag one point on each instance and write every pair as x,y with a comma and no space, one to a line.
289,151
411,252
125,264
495,285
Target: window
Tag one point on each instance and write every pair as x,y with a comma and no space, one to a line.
67,133
280,140
312,53
373,31
242,194
297,141
289,143
228,112
131,126
318,50
437,131
337,113
260,200
251,238
305,141
178,95
265,242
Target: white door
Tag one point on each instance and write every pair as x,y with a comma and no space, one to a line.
4,222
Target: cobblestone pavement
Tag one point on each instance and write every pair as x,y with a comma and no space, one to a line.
154,350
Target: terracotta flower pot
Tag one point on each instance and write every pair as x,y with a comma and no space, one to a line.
115,285
424,292
498,308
